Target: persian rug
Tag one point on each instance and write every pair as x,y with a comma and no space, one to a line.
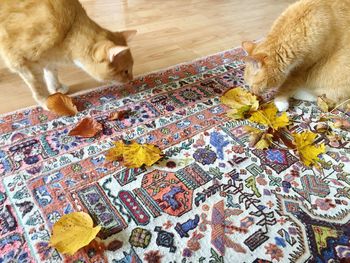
211,199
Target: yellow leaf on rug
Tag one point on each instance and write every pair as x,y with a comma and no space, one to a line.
240,101
308,152
134,155
72,232
268,116
259,139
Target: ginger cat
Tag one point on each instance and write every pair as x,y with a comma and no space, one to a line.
306,54
36,36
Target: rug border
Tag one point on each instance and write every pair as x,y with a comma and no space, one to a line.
99,88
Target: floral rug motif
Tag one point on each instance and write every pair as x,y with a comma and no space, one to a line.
211,199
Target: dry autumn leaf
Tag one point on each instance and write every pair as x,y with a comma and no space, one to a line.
86,128
240,101
61,104
322,128
259,139
325,104
72,232
268,116
119,115
134,155
308,152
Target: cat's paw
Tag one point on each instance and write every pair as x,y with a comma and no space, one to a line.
42,102
64,89
303,94
281,103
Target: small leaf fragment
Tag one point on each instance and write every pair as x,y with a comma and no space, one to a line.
308,152
240,101
322,128
259,139
61,104
135,155
325,104
115,245
72,232
86,128
264,142
119,115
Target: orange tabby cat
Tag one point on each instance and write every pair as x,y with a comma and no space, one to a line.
306,53
36,36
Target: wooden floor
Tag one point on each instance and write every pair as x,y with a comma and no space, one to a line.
170,32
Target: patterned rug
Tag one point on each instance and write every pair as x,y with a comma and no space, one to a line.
211,199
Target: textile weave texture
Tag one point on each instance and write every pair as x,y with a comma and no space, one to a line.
211,199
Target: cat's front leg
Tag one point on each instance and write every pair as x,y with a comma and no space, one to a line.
33,76
291,85
52,81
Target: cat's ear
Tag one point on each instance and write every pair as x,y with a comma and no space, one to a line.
115,51
128,34
257,60
100,51
107,51
248,46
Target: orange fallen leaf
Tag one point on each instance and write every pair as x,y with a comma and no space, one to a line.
86,128
61,104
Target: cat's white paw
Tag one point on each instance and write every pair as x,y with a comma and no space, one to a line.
281,103
63,89
303,94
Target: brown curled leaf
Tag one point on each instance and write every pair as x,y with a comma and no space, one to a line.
115,245
119,115
86,128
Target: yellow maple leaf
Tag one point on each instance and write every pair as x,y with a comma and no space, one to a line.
135,155
268,116
72,232
308,152
240,101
